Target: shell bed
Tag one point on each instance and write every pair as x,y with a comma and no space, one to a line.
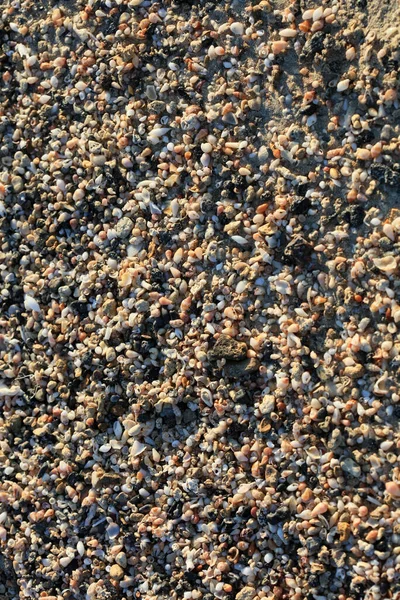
199,300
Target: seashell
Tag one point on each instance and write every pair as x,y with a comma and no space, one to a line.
363,154
388,231
31,304
387,264
239,240
393,489
278,47
159,132
317,14
319,509
237,28
241,286
80,548
379,387
9,391
177,258
308,14
137,448
265,425
288,33
343,85
282,287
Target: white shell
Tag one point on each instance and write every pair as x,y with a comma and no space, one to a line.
159,131
288,33
387,264
137,448
9,391
343,85
239,240
31,304
237,28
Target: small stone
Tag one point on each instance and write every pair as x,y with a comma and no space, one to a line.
65,560
188,416
228,348
247,593
230,118
343,85
313,545
271,475
116,572
110,354
64,291
112,530
354,371
142,306
255,104
44,99
206,147
169,367
344,531
350,467
263,154
120,559
18,184
239,369
237,28
319,509
110,308
124,227
393,489
267,406
279,46
15,423
288,32
31,304
363,154
151,92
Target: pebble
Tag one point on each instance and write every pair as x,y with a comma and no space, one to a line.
142,306
18,184
350,466
268,405
237,28
343,85
393,489
247,593
121,559
31,304
112,530
124,227
116,572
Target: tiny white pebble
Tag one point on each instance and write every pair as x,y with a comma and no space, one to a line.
31,304
206,147
80,548
112,530
237,28
317,14
65,560
288,33
343,85
78,195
